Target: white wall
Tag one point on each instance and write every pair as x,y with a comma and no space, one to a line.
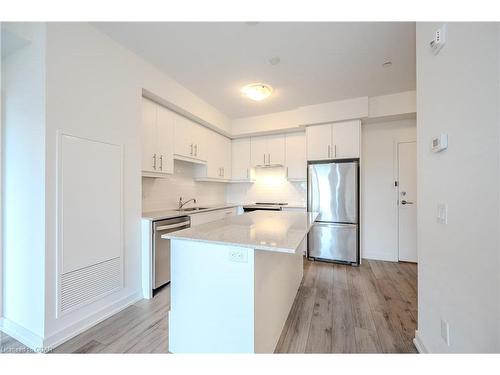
458,270
23,95
378,194
93,89
164,193
393,106
270,185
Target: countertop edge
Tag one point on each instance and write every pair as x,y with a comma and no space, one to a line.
175,236
175,213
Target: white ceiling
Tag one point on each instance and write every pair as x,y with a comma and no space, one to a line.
320,62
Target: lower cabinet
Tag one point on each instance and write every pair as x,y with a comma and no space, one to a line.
206,217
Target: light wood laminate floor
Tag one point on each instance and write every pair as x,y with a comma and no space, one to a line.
338,309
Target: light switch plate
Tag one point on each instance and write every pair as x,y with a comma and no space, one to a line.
442,213
445,331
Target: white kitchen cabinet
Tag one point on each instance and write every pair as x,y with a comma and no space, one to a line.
190,140
241,163
319,142
165,139
346,139
295,156
206,217
227,157
339,140
218,165
157,139
268,150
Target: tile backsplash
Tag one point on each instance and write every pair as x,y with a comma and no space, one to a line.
164,193
270,185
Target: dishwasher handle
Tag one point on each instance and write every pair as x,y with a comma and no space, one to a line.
172,226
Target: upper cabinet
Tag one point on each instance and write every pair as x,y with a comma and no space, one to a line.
218,151
339,140
190,140
295,152
241,169
157,141
268,150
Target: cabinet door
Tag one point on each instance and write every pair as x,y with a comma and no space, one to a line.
200,138
295,155
346,139
149,163
184,136
258,146
319,142
226,158
214,144
164,137
241,163
276,149
204,217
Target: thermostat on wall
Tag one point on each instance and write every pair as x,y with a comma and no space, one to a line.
439,143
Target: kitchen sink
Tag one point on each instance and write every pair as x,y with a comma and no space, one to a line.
193,209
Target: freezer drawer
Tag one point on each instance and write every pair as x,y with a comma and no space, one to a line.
334,242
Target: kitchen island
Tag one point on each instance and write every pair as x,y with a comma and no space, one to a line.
233,281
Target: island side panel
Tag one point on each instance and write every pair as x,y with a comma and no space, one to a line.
276,282
211,298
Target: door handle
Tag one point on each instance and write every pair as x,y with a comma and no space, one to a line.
171,226
403,202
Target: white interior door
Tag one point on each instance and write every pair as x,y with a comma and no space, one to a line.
407,201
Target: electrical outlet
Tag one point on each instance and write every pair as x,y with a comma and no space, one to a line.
445,331
238,255
442,213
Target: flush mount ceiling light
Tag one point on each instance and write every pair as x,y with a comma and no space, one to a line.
257,91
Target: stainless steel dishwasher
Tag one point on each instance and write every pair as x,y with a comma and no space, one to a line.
161,247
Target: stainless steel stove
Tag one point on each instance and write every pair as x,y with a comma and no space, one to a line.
264,206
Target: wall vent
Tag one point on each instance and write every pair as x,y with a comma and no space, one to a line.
87,284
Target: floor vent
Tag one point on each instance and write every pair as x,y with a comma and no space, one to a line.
85,285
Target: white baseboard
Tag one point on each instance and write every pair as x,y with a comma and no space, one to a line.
417,341
379,256
75,329
21,334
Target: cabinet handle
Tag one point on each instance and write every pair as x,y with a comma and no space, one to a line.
286,172
247,173
335,150
154,162
191,153
220,172
196,150
161,162
223,172
264,159
268,159
328,151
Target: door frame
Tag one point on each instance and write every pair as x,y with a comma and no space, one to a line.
396,144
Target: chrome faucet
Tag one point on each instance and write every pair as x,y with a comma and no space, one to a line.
182,204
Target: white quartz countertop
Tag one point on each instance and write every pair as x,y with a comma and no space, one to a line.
280,231
169,214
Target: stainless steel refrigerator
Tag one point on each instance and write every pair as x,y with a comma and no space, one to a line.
333,191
